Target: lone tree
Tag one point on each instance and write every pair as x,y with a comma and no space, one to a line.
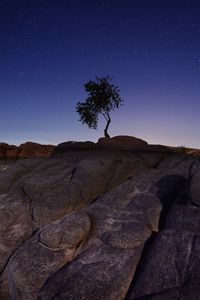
102,98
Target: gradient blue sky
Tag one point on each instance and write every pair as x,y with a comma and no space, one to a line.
49,49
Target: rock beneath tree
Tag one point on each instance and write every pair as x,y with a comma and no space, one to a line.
121,142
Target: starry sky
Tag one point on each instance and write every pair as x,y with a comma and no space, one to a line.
49,49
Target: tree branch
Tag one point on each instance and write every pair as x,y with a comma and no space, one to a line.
107,118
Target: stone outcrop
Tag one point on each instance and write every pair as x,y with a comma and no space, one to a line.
121,142
26,150
100,223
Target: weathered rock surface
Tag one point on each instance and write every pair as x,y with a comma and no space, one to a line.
46,252
98,223
26,150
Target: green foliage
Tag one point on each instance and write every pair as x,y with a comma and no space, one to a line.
102,98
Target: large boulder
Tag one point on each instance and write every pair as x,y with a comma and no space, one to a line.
121,142
26,150
174,251
12,152
30,149
72,146
57,187
123,221
112,250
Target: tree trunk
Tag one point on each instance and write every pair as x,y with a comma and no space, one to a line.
106,129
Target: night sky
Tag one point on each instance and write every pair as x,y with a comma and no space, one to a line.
49,49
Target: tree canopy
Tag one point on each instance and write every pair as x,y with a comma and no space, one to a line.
103,97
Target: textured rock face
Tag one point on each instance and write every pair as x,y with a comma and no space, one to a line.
26,150
47,251
88,224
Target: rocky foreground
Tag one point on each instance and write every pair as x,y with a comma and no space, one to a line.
115,220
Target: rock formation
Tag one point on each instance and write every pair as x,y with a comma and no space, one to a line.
111,220
26,150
